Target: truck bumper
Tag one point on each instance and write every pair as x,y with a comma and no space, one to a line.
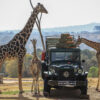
66,83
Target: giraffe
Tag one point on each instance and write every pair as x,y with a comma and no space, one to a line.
95,46
15,48
35,69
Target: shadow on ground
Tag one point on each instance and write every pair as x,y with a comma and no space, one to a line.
61,94
66,94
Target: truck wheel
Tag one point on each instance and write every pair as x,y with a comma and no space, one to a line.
84,93
83,90
47,88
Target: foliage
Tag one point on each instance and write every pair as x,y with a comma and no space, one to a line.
90,59
11,68
26,69
93,72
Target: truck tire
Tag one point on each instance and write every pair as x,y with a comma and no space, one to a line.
84,89
47,88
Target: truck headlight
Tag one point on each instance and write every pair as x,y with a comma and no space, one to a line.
75,68
79,71
52,70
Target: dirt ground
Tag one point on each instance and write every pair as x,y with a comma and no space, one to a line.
63,94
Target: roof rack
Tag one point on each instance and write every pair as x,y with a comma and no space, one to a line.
51,41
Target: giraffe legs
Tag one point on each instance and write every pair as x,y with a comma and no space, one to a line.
32,85
38,87
20,65
98,83
0,65
0,69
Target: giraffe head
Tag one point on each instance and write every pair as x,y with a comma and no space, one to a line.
34,41
79,40
40,8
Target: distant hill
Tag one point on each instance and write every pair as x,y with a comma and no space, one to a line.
76,28
90,31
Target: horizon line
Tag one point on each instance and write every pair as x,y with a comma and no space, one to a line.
52,27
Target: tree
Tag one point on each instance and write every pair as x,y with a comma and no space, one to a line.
12,68
26,66
90,59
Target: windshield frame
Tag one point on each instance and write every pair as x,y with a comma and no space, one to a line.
65,50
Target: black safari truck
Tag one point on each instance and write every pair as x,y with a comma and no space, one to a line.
61,67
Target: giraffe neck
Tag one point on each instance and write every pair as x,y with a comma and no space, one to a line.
34,54
91,44
26,31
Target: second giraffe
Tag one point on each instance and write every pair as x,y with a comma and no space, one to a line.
35,69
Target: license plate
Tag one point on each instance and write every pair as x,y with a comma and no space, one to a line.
66,83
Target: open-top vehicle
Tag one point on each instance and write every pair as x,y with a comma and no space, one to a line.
61,67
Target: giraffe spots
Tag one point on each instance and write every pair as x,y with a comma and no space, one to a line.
22,47
1,55
28,26
30,29
27,31
13,43
17,43
17,49
27,38
23,35
31,21
16,37
13,54
20,38
8,45
11,46
34,19
0,50
21,41
24,41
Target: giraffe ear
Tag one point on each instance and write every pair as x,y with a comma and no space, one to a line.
39,4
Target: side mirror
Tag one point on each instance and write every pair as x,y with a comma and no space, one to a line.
83,61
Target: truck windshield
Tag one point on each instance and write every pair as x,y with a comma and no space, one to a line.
65,56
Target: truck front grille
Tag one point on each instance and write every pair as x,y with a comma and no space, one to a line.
62,77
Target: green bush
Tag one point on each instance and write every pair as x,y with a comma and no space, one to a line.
93,72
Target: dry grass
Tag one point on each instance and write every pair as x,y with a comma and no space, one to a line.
92,82
12,88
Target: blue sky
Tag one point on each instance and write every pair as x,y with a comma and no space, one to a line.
15,13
